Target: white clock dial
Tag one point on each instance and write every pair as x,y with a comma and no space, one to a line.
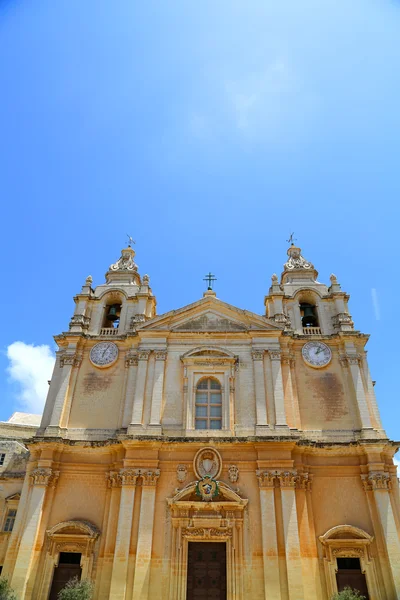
104,354
316,354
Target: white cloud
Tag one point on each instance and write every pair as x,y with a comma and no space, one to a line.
396,460
30,367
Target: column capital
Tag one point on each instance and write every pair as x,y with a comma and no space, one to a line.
287,479
161,354
73,360
376,481
288,359
149,478
113,479
129,477
257,354
44,476
304,481
131,359
144,354
275,354
347,359
266,479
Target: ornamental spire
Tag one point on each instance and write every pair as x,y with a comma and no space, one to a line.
297,267
124,269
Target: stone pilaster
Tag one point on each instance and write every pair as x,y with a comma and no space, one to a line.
66,361
272,587
127,478
131,363
277,382
261,401
287,482
138,401
40,478
157,395
145,535
379,484
352,361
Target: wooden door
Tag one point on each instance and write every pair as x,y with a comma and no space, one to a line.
206,579
68,568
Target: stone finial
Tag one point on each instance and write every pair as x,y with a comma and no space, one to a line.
335,286
146,280
296,261
89,280
275,287
125,262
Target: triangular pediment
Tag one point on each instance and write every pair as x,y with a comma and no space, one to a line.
210,321
16,496
208,315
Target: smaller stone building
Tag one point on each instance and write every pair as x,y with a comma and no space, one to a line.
13,461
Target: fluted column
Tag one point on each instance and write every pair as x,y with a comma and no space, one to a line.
353,362
131,363
128,478
259,384
287,482
277,382
40,478
145,535
67,362
380,485
272,586
138,401
158,387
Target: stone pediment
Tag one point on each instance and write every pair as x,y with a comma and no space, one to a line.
209,314
210,321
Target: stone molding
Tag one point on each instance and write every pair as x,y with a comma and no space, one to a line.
275,354
288,359
284,479
350,359
257,354
342,321
376,481
131,359
129,477
70,359
80,321
206,532
113,479
44,476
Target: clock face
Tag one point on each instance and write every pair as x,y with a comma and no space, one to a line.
316,354
104,354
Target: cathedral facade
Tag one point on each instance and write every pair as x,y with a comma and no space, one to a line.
205,453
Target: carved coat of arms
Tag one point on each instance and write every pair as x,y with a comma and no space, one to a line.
207,462
207,488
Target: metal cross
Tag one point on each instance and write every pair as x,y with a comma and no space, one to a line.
130,240
210,278
291,239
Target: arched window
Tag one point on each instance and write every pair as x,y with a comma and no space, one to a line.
208,404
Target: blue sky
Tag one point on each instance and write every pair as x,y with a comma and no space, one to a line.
209,132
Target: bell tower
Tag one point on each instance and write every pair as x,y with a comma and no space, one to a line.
107,317
319,328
